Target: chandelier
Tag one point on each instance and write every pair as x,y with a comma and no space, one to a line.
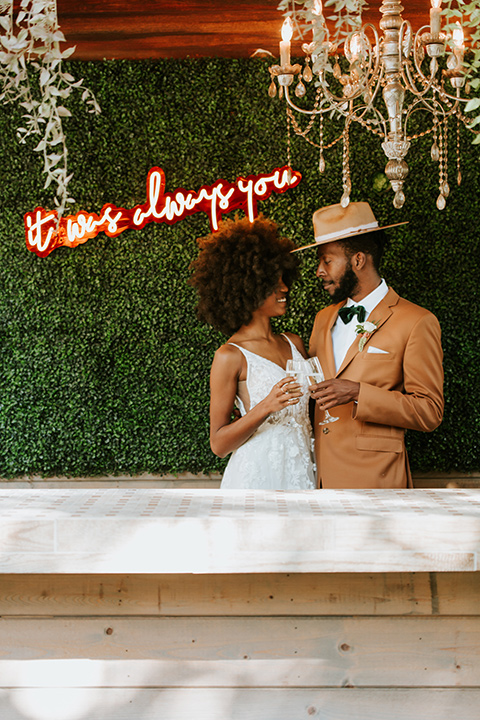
378,82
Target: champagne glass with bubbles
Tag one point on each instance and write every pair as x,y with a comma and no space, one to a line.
315,375
297,369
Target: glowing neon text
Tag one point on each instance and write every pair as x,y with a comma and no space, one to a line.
43,235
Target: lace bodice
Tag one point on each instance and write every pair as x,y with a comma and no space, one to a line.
262,374
279,455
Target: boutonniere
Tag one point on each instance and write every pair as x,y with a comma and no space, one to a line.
365,330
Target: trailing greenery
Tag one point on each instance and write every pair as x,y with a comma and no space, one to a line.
104,366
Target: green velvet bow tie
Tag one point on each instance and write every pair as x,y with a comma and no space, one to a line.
347,313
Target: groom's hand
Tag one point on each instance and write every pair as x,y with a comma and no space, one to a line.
330,393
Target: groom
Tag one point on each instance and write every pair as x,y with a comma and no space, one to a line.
381,355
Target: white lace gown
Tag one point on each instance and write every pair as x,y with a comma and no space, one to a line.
279,455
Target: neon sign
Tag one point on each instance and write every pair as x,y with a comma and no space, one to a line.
44,233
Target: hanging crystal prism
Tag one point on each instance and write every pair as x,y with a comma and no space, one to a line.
307,73
441,202
300,89
399,199
272,89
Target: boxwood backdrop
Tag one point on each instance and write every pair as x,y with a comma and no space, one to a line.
104,366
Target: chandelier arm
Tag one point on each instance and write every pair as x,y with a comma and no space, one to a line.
370,54
432,105
457,99
368,125
444,94
409,78
420,104
416,43
410,84
315,111
432,85
333,99
378,85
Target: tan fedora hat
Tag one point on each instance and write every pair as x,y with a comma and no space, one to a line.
335,222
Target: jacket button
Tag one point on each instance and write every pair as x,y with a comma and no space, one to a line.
325,430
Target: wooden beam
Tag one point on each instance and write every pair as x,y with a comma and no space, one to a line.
143,531
327,594
175,29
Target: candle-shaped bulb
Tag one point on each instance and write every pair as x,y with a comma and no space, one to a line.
459,48
287,32
317,7
458,36
287,29
356,45
435,12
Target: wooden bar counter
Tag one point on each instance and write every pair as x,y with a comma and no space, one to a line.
151,604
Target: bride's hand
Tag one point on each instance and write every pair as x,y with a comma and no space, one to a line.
284,393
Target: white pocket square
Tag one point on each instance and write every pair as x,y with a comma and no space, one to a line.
372,349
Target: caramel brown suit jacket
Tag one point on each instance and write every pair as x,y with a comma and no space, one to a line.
400,389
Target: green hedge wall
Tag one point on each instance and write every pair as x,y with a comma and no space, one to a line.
104,367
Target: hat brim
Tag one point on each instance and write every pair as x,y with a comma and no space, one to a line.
348,235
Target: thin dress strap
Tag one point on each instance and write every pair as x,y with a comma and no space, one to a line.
244,350
243,396
292,345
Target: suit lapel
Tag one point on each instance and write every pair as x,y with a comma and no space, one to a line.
379,316
329,363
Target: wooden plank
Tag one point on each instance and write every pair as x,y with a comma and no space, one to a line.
238,704
243,652
212,480
90,23
36,537
257,594
123,560
140,559
114,531
142,480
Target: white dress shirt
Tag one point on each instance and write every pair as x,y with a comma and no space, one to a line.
343,334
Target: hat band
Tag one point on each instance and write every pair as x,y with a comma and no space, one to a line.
345,232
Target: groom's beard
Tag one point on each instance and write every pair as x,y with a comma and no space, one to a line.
346,287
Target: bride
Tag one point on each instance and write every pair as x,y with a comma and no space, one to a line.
243,276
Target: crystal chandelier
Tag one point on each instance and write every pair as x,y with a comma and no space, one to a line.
379,82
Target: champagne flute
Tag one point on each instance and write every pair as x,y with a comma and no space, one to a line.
315,375
298,370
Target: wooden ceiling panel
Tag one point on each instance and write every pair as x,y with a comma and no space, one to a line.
137,29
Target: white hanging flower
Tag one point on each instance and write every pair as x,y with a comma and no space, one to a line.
34,39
